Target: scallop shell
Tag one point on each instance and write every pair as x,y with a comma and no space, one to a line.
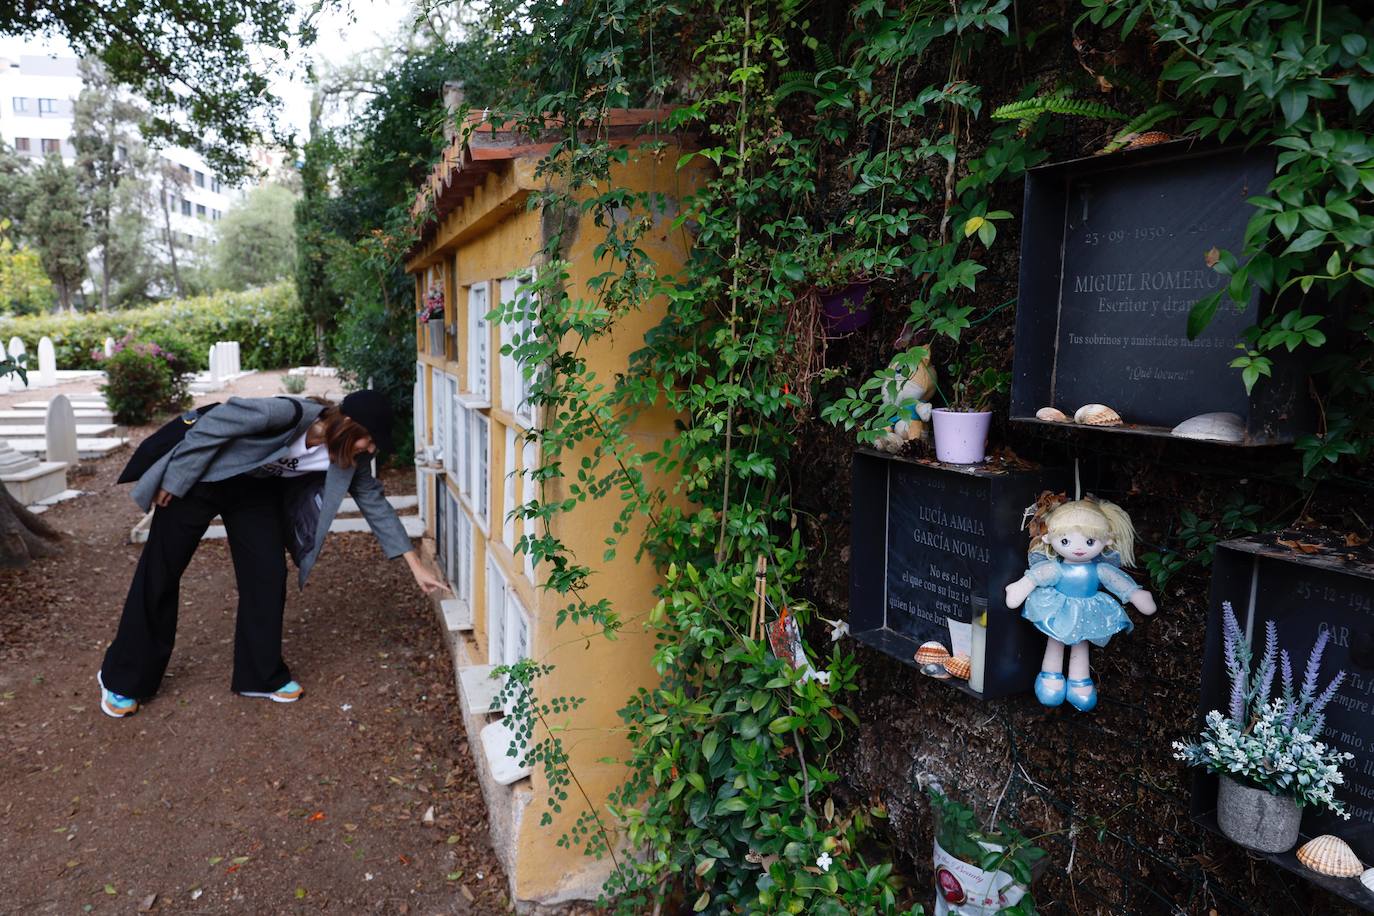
1329,855
931,653
958,666
1096,415
1053,414
1367,879
1149,138
1218,427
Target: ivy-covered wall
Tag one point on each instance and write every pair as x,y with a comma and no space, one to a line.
888,142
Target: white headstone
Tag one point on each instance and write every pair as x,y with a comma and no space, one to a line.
16,347
60,428
214,364
238,358
109,346
47,364
4,384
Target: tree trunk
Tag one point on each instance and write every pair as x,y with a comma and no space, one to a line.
319,342
171,244
23,535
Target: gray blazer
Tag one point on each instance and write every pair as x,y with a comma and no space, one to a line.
243,434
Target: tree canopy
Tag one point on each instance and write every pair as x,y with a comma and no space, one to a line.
256,242
204,66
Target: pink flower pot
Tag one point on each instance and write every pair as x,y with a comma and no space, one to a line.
961,437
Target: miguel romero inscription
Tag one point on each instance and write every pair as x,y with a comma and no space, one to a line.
938,550
1135,246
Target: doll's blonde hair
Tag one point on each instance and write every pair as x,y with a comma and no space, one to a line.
1094,518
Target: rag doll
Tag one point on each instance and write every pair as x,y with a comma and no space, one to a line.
1080,553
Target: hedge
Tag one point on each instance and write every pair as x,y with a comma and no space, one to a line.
268,323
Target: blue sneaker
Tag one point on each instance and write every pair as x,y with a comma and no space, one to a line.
1087,701
1049,688
115,705
289,692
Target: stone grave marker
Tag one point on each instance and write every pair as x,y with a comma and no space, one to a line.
1330,590
60,431
1116,250
109,346
47,363
926,539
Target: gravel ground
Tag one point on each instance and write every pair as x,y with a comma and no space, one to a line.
208,802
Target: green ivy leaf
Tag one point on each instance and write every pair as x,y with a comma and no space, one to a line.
1200,315
1306,242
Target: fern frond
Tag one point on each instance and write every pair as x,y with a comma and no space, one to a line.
1080,108
795,81
1015,111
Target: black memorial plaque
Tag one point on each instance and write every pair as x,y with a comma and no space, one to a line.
937,548
1304,595
1114,256
1135,248
926,538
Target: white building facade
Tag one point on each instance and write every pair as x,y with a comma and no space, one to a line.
38,90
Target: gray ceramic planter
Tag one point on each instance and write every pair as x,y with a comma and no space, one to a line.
1256,819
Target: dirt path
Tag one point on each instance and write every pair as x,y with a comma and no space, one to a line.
216,803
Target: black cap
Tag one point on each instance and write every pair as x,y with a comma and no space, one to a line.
372,410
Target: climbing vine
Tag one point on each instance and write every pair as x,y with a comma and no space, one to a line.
728,802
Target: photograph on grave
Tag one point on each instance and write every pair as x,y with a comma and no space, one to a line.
928,579
1073,593
1323,598
1116,252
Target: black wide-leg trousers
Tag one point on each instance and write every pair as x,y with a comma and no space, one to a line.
250,507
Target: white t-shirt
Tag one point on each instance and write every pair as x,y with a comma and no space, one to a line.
298,460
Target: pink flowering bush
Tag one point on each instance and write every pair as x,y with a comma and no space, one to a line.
142,379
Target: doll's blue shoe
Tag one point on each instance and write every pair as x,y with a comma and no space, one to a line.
1049,688
1082,703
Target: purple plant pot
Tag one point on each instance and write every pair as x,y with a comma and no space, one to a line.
843,310
961,437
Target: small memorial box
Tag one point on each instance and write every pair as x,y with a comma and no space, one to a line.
926,538
1113,256
1330,589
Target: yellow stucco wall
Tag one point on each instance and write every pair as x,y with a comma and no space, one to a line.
492,236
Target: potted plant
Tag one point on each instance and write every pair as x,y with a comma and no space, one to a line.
1264,750
432,312
961,427
980,872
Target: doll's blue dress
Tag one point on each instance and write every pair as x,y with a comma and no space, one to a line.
1068,604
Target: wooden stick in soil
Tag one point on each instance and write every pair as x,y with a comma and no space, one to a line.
756,627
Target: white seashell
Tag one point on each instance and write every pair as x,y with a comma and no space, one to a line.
1329,855
1053,414
1096,415
1219,427
1367,879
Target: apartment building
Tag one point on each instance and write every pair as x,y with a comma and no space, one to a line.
38,90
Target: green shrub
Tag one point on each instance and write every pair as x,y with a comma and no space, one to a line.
293,384
267,322
373,344
143,379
